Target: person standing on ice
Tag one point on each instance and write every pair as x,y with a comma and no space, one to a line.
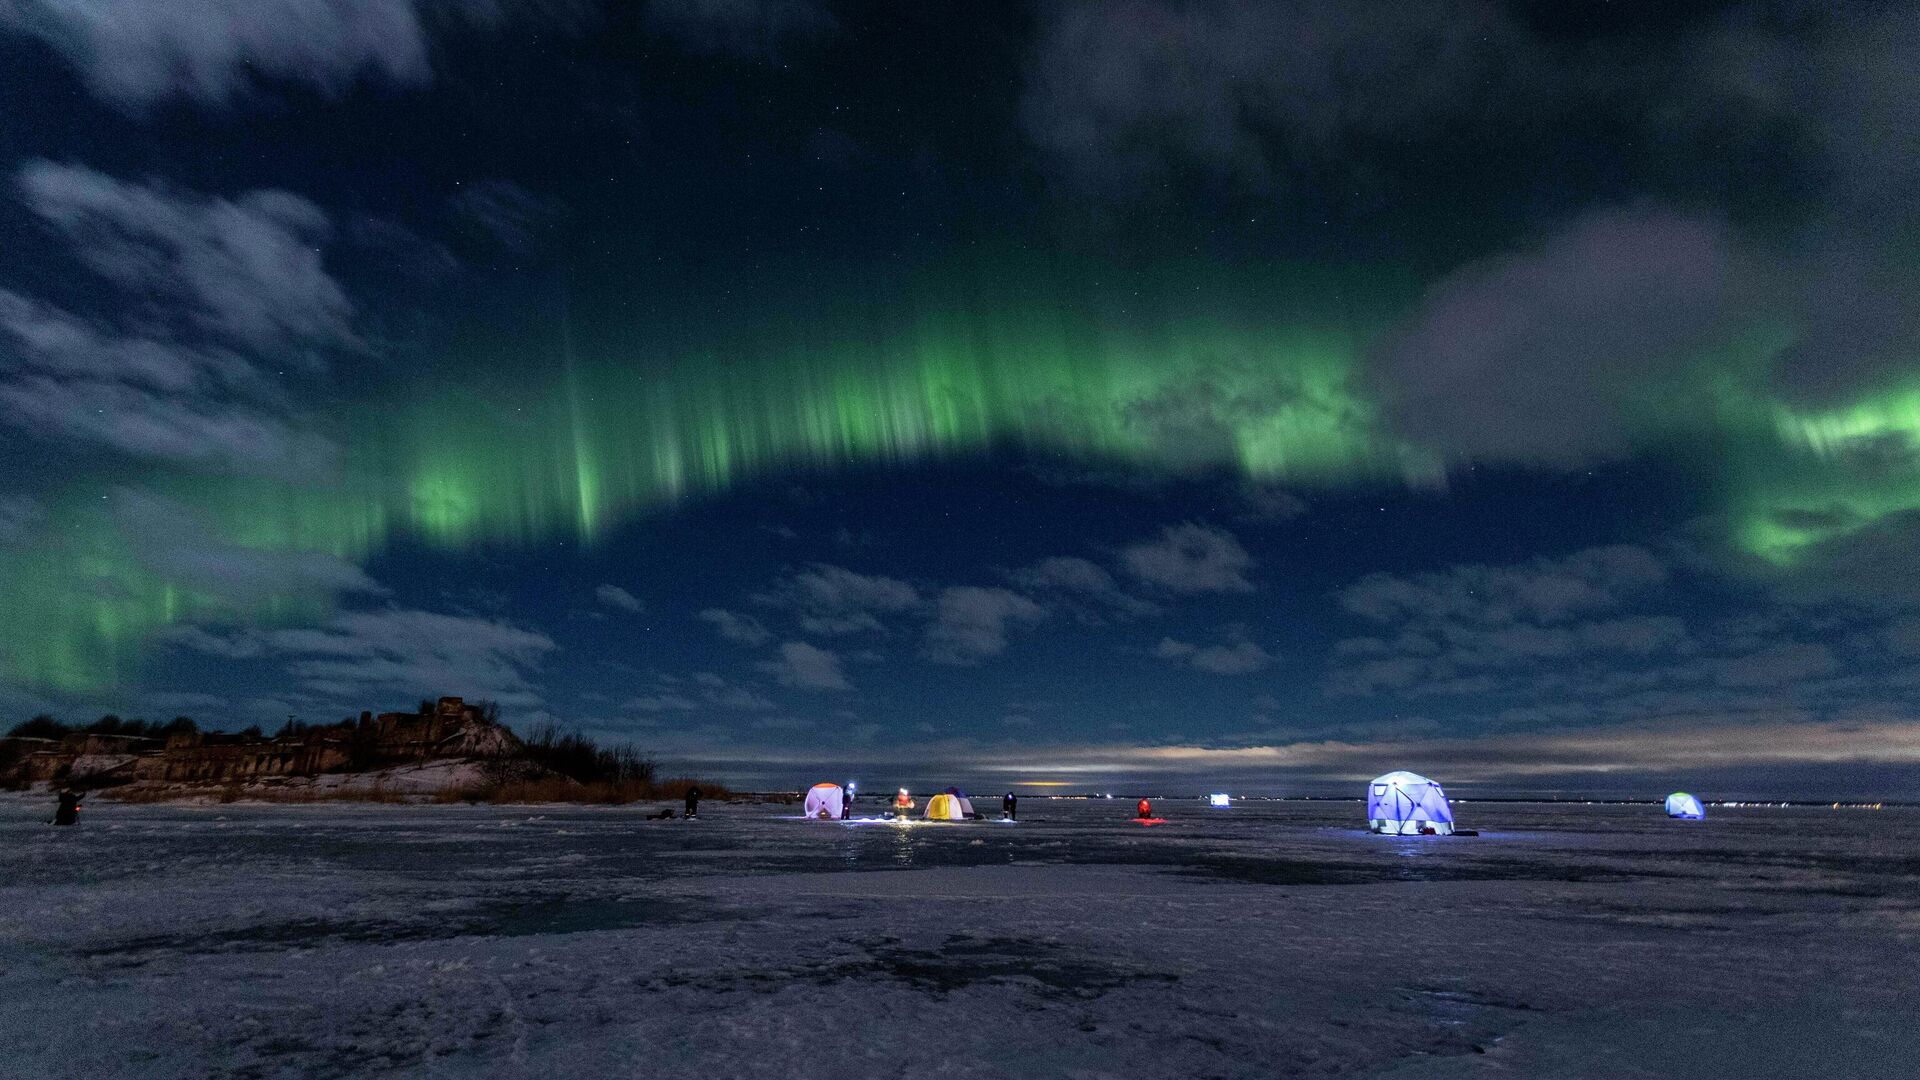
1010,807
67,810
693,800
902,803
1144,810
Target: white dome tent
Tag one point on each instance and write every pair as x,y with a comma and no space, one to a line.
1682,805
1407,804
826,800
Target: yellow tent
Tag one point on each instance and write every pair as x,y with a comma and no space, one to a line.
945,808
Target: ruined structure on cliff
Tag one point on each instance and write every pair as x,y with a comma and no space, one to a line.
450,728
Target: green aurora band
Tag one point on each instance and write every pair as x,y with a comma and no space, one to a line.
1834,473
572,448
580,447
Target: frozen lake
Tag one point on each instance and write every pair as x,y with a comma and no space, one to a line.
1270,939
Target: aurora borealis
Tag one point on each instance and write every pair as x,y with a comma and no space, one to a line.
933,406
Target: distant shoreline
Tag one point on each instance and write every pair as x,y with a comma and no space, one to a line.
221,796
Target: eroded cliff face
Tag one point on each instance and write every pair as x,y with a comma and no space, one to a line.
449,729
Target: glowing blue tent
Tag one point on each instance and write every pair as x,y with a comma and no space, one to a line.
1682,805
1404,804
1220,798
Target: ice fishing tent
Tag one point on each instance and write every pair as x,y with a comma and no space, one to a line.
1220,798
1682,805
944,807
966,804
829,799
1404,803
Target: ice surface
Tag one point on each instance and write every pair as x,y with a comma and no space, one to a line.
1274,939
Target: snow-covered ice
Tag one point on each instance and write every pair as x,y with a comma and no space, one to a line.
1271,939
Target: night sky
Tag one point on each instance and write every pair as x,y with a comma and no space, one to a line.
1162,394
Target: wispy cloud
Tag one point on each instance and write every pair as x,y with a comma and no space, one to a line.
247,268
832,600
618,598
808,667
396,654
1234,658
702,692
972,623
132,52
1083,586
749,29
1191,558
204,283
737,628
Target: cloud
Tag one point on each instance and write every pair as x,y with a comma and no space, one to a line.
223,437
1083,585
702,692
1267,502
247,268
1777,665
1541,356
237,645
62,344
806,666
742,629
1831,79
1865,561
19,515
1475,630
1903,637
1736,185
1547,590
404,654
1123,97
508,215
1742,755
748,29
614,596
359,659
1237,658
172,701
168,539
972,623
1651,748
832,600
1191,558
132,52
203,281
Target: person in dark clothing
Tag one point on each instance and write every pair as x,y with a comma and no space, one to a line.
67,810
1010,807
693,801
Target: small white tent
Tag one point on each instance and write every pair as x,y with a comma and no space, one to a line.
826,800
1682,805
1404,803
